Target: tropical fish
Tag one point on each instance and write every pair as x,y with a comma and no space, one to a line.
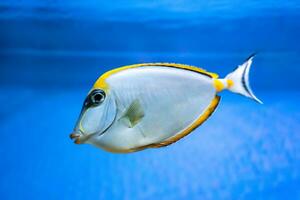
153,105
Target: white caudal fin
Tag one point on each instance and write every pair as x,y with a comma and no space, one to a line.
240,80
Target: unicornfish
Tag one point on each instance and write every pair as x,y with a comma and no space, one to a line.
153,105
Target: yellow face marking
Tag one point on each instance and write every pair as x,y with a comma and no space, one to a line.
101,82
230,83
218,85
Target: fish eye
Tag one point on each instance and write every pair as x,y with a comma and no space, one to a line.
97,97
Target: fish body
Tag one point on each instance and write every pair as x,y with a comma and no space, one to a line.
152,104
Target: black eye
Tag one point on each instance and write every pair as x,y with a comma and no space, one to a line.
97,97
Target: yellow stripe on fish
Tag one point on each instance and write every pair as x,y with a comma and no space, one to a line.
101,83
207,113
218,85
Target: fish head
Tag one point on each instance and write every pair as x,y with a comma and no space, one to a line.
97,115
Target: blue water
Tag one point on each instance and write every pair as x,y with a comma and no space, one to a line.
51,53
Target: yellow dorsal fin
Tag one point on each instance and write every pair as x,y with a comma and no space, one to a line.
100,83
182,66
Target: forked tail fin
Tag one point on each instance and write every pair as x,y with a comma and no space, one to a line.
238,80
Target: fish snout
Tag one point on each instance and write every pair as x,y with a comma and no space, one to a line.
75,137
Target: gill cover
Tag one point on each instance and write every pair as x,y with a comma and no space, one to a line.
98,113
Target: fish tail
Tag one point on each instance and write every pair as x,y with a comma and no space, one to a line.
238,81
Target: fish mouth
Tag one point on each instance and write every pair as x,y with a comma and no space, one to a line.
80,138
75,137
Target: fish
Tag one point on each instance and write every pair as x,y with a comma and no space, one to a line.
153,105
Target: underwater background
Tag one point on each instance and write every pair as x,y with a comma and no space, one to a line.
51,52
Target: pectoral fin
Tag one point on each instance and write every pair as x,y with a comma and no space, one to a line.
133,114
